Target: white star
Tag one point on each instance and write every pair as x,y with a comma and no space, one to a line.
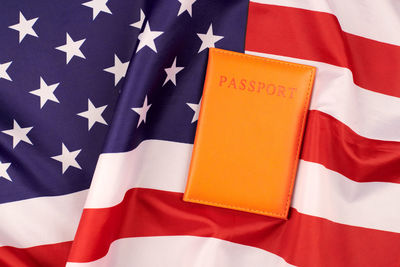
19,134
46,92
93,114
142,111
98,6
171,73
147,38
119,69
3,170
3,69
68,158
24,27
72,48
186,5
139,23
209,39
196,109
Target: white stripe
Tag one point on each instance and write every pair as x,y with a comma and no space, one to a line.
319,192
369,114
324,193
40,221
378,20
153,164
186,251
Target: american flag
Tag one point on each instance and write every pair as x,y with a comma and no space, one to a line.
98,111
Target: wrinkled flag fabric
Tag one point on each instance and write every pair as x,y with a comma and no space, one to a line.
98,111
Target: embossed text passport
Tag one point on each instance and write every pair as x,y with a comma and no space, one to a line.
249,133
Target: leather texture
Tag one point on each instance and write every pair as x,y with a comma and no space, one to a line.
249,133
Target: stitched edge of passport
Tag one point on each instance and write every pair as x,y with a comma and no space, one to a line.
293,174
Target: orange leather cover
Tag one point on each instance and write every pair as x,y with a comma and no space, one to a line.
249,133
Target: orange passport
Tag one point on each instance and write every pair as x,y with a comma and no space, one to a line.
249,133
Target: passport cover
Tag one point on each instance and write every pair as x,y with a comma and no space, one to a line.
249,133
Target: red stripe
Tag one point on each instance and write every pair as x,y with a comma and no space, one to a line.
45,255
331,143
317,36
302,240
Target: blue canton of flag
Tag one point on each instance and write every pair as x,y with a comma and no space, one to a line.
80,78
